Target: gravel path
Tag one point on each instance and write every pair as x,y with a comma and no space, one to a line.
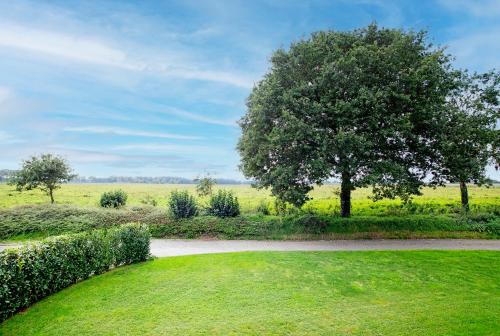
176,247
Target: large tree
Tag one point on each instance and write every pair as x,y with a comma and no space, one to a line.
469,138
359,106
45,172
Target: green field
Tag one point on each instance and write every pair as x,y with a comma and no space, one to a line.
278,293
325,198
435,214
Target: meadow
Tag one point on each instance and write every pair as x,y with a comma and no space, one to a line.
435,214
280,293
325,199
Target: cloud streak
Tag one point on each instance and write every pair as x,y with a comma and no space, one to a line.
95,51
4,94
197,117
480,49
128,132
71,47
478,8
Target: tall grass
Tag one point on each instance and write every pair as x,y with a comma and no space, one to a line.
443,200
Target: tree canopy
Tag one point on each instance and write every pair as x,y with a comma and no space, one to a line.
45,172
359,106
468,140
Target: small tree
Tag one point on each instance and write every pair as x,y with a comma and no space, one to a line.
45,172
204,186
469,138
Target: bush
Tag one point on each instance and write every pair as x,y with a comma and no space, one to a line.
182,205
224,204
149,200
113,199
263,208
28,274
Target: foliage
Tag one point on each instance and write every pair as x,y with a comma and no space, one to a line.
224,204
113,199
358,106
149,200
182,205
31,222
418,293
467,140
204,186
263,208
46,173
30,273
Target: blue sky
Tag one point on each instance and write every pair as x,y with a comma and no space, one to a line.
155,88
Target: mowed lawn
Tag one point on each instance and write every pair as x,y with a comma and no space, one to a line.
325,198
279,293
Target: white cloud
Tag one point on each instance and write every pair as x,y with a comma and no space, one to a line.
129,132
80,48
170,148
210,75
479,8
72,47
198,117
7,139
4,94
477,51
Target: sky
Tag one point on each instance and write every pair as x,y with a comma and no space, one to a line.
155,88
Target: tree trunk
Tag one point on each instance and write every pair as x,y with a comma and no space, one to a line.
345,195
465,196
51,194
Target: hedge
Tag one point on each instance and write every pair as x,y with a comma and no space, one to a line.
34,222
29,273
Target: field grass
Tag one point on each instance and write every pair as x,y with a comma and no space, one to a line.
435,214
325,198
280,293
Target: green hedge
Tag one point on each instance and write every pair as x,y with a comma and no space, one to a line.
33,222
30,273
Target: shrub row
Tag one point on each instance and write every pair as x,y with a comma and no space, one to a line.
222,204
36,221
30,273
181,204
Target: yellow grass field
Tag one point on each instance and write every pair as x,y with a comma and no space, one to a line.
325,198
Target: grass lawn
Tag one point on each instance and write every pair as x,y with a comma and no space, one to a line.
302,293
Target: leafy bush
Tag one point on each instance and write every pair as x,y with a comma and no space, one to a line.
182,205
224,204
113,199
263,208
28,274
149,200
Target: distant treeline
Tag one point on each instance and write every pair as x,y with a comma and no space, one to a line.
5,173
147,179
